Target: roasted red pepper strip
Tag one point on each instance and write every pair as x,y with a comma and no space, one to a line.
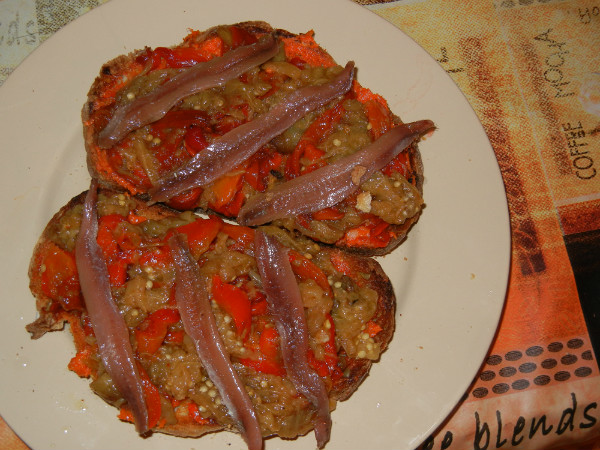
158,256
379,118
163,57
195,140
269,342
152,398
151,333
116,260
106,239
233,207
331,213
269,361
59,279
200,233
153,403
399,164
242,236
186,200
125,415
224,190
318,130
374,233
251,176
378,229
134,219
259,167
235,302
84,363
228,194
259,304
264,366
117,271
331,355
181,118
313,153
174,337
306,269
240,37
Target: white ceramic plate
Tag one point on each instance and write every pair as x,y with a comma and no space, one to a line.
450,276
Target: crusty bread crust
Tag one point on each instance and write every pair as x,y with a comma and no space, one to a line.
119,67
358,369
52,318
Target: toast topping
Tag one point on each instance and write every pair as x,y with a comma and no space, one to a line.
199,323
155,105
198,121
109,328
329,185
242,142
285,302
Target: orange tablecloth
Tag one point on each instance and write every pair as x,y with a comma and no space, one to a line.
531,71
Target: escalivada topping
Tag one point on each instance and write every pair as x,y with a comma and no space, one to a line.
329,185
109,327
242,142
191,295
204,75
285,303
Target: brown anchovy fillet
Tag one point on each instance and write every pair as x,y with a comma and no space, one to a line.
285,304
191,294
108,324
330,184
205,75
242,142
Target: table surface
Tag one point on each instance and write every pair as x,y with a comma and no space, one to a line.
530,69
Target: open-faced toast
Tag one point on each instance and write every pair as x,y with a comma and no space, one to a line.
131,148
347,299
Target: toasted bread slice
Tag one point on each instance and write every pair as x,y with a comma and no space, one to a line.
349,304
372,221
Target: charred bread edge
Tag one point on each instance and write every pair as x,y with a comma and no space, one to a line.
355,373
